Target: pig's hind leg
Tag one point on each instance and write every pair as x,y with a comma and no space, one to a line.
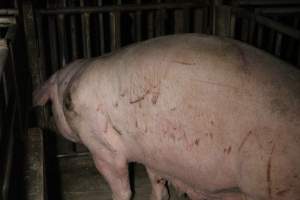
116,176
159,190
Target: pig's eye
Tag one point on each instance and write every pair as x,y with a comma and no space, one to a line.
68,102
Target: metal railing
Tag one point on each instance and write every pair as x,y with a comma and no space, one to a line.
10,113
263,28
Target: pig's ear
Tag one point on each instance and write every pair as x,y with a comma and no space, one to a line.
42,94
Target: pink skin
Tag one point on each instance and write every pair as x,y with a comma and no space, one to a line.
204,113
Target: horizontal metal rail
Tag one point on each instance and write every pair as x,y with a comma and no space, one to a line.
287,30
11,11
268,2
70,155
277,11
118,8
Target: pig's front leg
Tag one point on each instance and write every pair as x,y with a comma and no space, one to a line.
116,176
159,190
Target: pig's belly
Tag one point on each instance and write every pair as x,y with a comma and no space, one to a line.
202,160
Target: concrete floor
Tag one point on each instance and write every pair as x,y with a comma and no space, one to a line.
81,181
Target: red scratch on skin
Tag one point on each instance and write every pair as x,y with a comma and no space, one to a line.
269,180
140,98
227,150
155,98
282,192
98,108
184,62
244,140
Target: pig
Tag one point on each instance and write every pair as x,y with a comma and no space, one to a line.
214,117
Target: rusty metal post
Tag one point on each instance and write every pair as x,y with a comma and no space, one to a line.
74,43
115,28
222,19
101,30
150,24
259,36
138,23
198,20
179,21
52,41
245,30
86,36
35,61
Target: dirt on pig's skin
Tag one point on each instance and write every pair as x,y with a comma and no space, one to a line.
205,113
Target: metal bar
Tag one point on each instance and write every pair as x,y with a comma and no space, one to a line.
3,55
267,2
52,41
158,20
115,24
150,24
278,44
74,45
9,154
138,23
35,165
269,23
245,30
298,55
101,30
179,21
291,43
5,21
232,25
36,64
69,155
119,8
10,37
86,36
252,31
260,30
279,11
198,20
187,20
271,40
62,39
9,11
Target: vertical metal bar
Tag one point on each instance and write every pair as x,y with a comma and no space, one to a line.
138,23
52,41
101,30
222,21
179,21
298,55
291,43
252,30
86,35
62,40
5,89
115,29
36,64
198,20
259,36
150,24
187,19
73,30
232,25
158,21
245,30
278,44
271,40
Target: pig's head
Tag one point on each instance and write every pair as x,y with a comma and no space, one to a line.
54,90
